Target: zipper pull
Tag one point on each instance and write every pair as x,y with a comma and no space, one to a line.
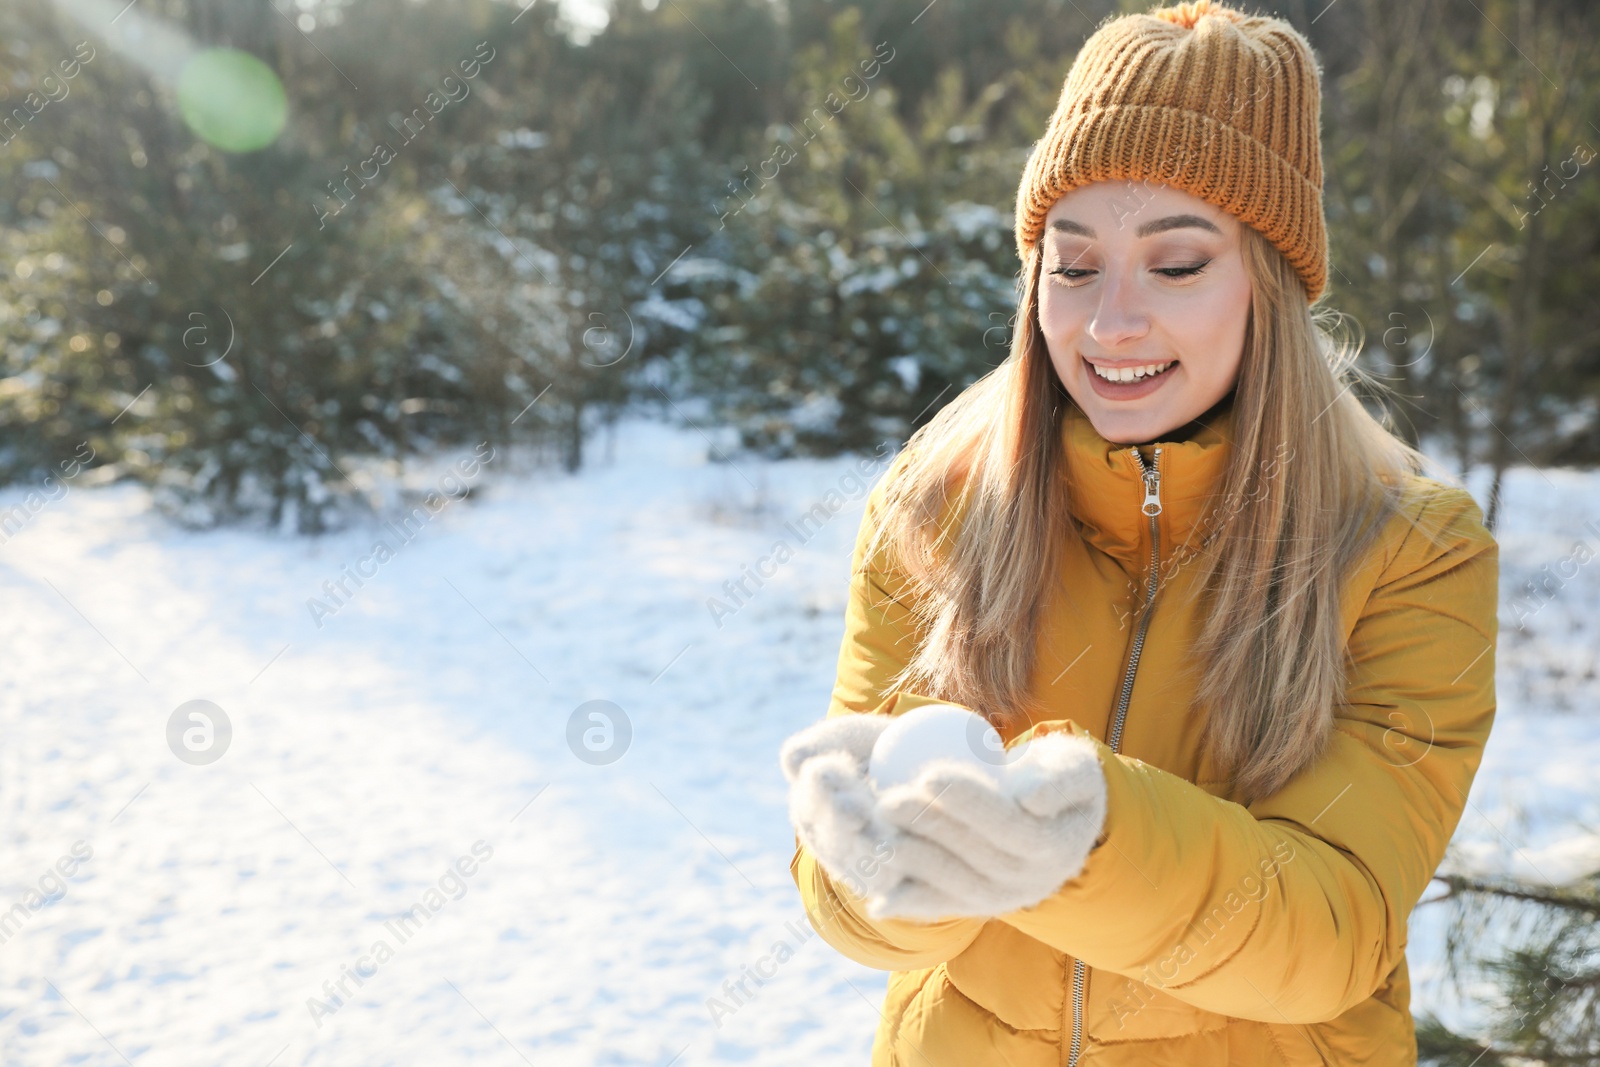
1152,484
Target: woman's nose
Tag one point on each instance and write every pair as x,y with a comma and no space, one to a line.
1120,316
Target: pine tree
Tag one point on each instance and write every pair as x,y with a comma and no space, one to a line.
1548,1009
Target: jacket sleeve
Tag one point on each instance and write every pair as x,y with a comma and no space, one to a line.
1294,908
879,639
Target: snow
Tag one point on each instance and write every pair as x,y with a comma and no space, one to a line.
970,220
439,743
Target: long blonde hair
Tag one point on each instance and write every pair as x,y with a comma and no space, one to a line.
1272,645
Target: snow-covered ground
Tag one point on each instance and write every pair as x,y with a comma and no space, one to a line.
425,739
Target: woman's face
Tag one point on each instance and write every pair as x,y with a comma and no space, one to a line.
1139,276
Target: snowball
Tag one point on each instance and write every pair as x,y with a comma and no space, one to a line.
936,731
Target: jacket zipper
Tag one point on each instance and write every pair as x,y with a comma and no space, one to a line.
1151,507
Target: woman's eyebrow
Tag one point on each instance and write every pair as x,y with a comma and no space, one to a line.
1171,222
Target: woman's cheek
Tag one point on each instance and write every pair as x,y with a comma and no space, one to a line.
1053,316
1055,340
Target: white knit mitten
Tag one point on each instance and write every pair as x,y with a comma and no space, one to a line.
832,805
971,848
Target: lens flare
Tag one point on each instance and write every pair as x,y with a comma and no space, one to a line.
232,100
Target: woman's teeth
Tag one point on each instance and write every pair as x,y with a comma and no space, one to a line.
1131,374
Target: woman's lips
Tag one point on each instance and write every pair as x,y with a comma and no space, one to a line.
1127,390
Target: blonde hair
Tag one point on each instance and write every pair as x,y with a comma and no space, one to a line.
1269,572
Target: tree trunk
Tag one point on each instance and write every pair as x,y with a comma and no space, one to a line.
572,452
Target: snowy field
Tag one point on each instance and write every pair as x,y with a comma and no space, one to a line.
418,740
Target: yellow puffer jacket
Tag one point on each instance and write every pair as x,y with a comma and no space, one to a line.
1200,931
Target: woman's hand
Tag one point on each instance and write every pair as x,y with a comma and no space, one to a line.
950,843
968,847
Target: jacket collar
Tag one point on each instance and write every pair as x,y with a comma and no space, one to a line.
1107,490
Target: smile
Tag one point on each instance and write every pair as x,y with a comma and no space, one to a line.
1130,383
1131,374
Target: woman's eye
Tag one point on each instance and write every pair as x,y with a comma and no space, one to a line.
1182,272
1071,273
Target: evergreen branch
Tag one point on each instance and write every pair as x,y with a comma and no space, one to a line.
1582,900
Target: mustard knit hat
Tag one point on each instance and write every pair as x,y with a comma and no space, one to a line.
1223,105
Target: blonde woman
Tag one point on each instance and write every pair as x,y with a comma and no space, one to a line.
1250,644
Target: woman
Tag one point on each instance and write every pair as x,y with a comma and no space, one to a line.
1250,644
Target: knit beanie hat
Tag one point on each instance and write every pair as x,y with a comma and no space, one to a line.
1223,105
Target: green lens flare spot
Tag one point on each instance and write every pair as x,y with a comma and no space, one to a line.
232,100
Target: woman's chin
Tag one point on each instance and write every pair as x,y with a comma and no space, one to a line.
1125,424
